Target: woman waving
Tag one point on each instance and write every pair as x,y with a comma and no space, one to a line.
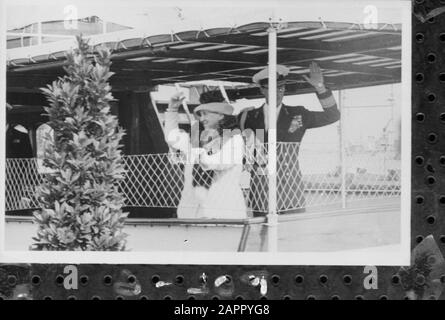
214,161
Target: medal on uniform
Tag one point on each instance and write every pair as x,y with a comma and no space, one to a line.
296,123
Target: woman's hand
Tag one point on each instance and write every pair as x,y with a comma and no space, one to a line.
176,101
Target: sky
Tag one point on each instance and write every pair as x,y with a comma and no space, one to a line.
166,16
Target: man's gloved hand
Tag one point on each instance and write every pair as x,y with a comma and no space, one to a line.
315,78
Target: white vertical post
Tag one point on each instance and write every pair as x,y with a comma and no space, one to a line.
104,26
39,32
272,217
342,150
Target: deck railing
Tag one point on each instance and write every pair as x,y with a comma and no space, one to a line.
156,180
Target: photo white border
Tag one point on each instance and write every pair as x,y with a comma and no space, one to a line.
2,125
358,257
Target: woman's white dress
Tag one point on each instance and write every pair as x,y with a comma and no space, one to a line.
224,199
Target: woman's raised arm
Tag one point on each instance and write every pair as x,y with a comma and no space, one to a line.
174,136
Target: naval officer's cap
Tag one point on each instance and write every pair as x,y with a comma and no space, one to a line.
262,77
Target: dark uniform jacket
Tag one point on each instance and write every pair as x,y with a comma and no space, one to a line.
292,123
18,144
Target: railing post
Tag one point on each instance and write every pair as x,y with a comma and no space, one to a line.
342,150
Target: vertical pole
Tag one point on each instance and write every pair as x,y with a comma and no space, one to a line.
104,26
272,217
39,32
342,150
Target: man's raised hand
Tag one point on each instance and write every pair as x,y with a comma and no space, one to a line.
315,78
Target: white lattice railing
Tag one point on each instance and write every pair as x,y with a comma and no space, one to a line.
21,179
156,180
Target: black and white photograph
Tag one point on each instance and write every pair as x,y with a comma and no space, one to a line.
272,132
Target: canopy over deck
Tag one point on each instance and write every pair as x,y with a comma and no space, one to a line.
349,55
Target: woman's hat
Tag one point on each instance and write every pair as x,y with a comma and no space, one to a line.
218,107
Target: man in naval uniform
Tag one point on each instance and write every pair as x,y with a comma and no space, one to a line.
292,123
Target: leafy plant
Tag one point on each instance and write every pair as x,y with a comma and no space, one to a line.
81,206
